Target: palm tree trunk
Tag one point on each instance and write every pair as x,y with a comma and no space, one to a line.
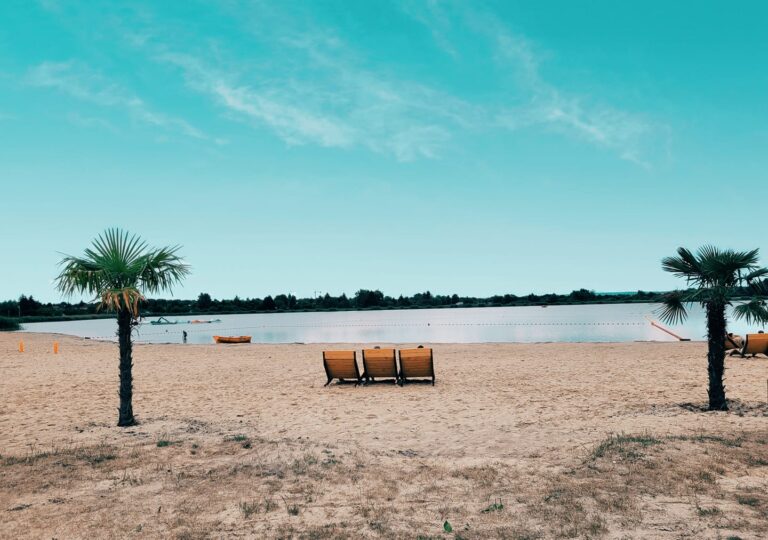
125,417
716,356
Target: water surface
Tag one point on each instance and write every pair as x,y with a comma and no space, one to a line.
584,323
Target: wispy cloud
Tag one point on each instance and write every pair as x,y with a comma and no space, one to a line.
343,107
435,19
314,82
544,104
78,119
554,108
81,82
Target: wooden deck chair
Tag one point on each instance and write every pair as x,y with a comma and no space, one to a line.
733,342
755,344
379,363
341,365
416,363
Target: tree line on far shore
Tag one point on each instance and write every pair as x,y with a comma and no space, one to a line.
27,309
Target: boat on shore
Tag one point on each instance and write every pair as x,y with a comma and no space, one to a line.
232,339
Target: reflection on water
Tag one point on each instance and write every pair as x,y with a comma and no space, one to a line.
589,323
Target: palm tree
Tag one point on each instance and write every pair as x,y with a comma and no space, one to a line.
717,277
117,269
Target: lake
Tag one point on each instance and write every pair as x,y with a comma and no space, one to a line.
583,323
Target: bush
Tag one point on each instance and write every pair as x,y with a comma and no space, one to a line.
8,324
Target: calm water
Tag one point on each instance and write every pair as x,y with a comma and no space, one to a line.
594,323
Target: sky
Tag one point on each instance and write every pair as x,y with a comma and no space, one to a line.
308,147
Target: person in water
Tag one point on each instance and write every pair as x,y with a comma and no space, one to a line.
184,336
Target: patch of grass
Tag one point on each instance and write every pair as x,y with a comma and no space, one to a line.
301,465
129,479
244,440
248,508
162,443
95,455
747,500
754,461
706,512
707,477
100,458
497,506
269,504
725,441
624,446
291,508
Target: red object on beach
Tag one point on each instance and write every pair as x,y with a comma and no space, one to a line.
232,339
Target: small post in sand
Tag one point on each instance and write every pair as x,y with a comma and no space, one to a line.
55,347
21,346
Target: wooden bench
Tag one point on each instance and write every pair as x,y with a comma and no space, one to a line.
341,365
755,344
379,363
416,364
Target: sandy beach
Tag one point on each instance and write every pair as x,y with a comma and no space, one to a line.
574,440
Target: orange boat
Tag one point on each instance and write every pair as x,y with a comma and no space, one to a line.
232,339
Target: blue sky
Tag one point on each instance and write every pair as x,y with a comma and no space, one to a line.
468,147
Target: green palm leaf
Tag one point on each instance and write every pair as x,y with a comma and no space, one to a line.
118,268
672,308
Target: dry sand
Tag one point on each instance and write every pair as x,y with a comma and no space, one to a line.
244,441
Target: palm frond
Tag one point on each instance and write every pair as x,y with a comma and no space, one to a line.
753,312
79,275
672,310
684,265
757,281
162,269
117,266
117,299
726,267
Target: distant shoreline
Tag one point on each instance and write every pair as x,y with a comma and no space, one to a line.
148,315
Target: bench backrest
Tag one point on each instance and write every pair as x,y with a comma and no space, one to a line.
416,363
756,344
379,363
341,364
733,342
